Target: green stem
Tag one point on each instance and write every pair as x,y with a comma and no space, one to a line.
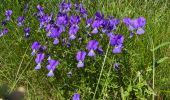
101,70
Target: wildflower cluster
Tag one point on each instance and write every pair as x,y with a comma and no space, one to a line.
67,23
64,22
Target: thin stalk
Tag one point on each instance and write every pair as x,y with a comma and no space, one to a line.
101,70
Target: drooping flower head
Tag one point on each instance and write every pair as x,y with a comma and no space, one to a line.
80,56
35,46
117,42
52,66
39,59
21,20
27,32
91,46
76,96
8,14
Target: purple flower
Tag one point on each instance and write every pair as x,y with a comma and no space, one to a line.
76,6
62,19
83,11
88,22
91,46
117,42
116,39
139,24
116,66
80,56
8,14
42,49
74,20
65,7
21,20
55,34
3,32
35,46
52,66
76,96
136,24
97,23
117,48
4,22
99,15
40,8
72,31
27,32
100,50
38,60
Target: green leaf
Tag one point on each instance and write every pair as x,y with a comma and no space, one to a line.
161,45
162,60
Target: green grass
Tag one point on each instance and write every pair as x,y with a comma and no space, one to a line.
98,80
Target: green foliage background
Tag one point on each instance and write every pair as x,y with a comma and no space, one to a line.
135,78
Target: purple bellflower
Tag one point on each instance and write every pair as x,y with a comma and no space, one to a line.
80,56
39,59
35,46
52,66
8,14
21,20
91,46
76,96
117,42
27,32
